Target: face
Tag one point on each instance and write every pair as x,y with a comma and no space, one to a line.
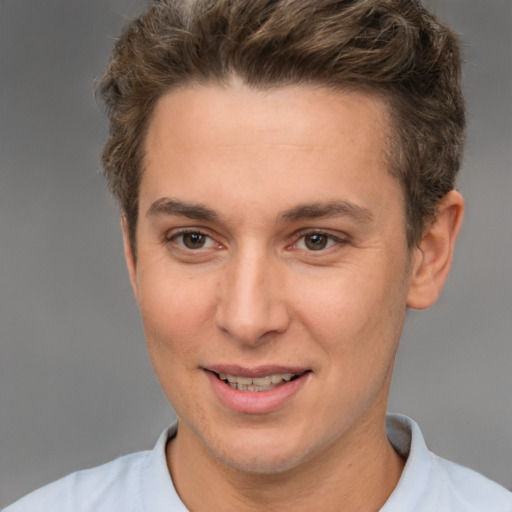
272,270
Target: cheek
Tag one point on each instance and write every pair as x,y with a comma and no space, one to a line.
361,309
175,314
175,310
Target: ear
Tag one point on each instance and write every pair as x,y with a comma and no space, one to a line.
129,256
432,259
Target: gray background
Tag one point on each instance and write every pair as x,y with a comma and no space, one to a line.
76,387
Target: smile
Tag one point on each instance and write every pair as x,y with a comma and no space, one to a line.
265,383
258,390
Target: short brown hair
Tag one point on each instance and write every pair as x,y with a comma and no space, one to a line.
394,48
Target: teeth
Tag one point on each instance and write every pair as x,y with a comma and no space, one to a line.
262,381
257,383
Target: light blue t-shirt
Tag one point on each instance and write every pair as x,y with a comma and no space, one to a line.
141,483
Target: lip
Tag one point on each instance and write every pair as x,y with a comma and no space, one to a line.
259,371
256,402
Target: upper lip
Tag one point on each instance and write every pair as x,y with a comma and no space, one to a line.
256,371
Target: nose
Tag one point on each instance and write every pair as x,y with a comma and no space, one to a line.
251,305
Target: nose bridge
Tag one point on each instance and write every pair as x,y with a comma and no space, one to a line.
250,305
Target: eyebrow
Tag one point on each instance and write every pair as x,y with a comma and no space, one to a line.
167,206
328,209
197,211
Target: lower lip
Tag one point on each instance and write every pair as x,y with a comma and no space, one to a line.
256,402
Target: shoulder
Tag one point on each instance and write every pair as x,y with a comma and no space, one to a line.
430,483
468,490
133,483
109,487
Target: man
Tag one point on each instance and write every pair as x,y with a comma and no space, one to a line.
285,172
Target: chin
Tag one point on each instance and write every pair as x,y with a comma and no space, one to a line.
262,452
258,463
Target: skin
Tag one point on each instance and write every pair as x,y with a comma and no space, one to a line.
258,178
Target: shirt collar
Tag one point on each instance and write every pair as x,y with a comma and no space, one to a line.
412,490
157,487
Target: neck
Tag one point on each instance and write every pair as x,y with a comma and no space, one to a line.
356,475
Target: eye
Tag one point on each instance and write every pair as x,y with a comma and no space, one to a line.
317,241
192,240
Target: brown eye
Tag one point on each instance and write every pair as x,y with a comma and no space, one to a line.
316,241
193,240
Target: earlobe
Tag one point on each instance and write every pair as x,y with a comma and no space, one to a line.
129,256
431,260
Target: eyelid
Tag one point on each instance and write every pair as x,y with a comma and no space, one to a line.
174,232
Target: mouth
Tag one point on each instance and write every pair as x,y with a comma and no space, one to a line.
256,390
257,384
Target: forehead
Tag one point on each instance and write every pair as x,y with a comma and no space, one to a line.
290,145
233,114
